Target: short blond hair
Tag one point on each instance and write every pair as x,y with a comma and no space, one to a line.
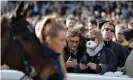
107,23
49,26
97,34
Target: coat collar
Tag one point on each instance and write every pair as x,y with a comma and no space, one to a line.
49,52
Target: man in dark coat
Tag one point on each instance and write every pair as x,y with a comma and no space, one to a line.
73,51
108,30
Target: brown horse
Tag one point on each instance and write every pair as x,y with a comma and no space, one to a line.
21,50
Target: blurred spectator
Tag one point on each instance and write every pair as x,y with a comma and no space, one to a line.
92,24
120,38
73,51
97,58
70,21
129,61
80,28
100,23
48,9
129,65
129,33
108,32
82,31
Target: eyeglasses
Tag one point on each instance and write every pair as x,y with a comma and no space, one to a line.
92,39
108,29
72,41
120,33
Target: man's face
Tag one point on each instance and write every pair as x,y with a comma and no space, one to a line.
70,23
73,43
108,32
92,26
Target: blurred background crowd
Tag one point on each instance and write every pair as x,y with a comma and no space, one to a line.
120,11
86,16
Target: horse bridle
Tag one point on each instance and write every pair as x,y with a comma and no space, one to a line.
20,52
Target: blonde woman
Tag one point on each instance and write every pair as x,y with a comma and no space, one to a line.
53,36
97,59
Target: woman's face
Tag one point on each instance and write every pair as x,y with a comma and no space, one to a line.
119,37
93,38
58,43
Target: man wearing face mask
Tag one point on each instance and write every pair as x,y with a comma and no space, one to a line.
108,32
97,58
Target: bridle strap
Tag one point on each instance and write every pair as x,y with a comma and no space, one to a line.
20,52
7,43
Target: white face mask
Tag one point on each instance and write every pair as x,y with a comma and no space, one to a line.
90,44
92,48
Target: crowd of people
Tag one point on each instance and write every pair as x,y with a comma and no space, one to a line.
94,36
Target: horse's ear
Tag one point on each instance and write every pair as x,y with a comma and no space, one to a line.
20,8
18,12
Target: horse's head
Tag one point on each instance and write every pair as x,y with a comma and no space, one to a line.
21,29
18,21
28,42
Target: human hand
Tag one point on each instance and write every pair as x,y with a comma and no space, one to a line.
83,66
92,66
4,67
71,62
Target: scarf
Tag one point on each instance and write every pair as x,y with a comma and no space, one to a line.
93,52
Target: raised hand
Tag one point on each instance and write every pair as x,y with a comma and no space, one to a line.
71,62
83,66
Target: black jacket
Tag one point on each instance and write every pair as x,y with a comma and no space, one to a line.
105,60
128,34
119,53
78,56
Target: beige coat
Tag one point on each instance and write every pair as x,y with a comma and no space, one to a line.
129,65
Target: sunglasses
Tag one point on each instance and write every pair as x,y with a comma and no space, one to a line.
108,29
92,39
